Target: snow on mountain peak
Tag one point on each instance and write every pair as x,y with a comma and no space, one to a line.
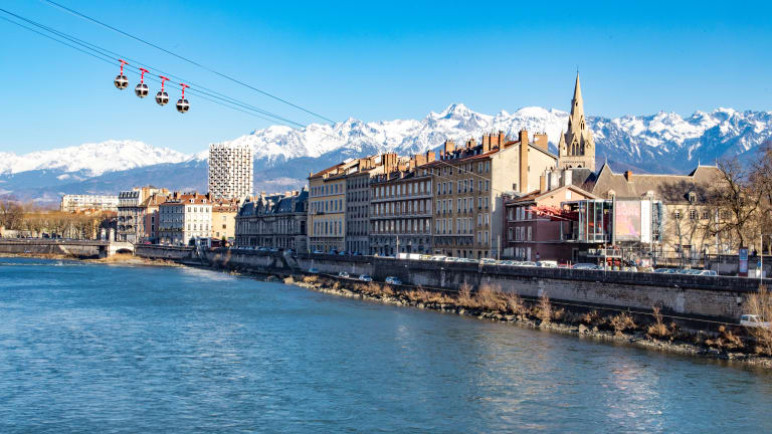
92,158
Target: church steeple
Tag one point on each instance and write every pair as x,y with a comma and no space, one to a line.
577,146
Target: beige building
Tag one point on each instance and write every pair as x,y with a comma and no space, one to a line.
688,219
327,208
469,183
151,222
131,212
576,148
224,212
401,208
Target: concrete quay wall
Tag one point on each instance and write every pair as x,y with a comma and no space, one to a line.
701,296
52,247
163,252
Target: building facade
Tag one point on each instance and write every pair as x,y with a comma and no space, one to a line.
151,218
469,186
327,208
184,217
224,212
274,221
84,202
131,212
401,212
532,235
230,171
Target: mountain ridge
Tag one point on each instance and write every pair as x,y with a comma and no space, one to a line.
662,142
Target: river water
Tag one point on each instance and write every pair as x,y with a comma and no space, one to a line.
110,348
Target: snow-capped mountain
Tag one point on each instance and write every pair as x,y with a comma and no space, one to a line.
663,142
91,159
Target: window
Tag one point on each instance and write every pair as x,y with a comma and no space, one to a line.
692,214
677,214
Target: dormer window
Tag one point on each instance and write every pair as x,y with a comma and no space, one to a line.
692,197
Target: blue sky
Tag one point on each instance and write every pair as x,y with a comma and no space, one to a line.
376,61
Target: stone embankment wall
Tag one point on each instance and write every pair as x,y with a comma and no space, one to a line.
163,252
721,298
52,247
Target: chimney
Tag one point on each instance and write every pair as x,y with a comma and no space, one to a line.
629,176
501,140
540,141
486,143
450,146
430,156
543,183
523,152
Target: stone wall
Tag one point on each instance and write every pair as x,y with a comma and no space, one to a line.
163,252
700,296
53,247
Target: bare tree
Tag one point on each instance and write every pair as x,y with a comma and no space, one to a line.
736,200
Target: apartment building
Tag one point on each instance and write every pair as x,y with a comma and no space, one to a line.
358,201
131,212
151,206
278,220
231,170
184,217
224,212
401,208
327,207
533,236
469,185
85,202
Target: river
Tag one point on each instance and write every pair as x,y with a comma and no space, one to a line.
115,348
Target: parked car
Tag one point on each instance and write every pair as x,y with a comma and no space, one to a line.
488,261
438,258
749,320
318,252
527,264
365,278
708,273
467,260
343,274
391,280
585,266
547,264
313,270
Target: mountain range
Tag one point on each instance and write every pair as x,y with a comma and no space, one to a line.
284,156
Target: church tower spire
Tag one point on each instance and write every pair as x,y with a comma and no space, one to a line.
577,146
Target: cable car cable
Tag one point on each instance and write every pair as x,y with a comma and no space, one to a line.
192,62
108,54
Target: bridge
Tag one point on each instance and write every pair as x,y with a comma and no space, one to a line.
76,248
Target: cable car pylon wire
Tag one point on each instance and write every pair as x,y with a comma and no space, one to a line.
192,62
106,56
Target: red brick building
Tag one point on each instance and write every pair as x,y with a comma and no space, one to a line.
533,237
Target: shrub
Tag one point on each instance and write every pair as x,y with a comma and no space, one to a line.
622,322
544,309
590,318
464,298
489,298
658,329
514,303
760,303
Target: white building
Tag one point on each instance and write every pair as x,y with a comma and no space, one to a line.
83,202
230,170
184,217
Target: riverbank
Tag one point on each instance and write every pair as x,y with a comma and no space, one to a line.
120,258
650,332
